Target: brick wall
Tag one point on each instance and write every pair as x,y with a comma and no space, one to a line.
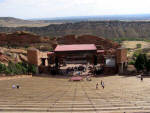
121,55
34,56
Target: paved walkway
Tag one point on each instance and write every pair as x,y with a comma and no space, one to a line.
37,94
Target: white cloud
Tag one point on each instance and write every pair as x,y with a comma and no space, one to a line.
58,8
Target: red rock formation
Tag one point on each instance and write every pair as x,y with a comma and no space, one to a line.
3,58
100,43
22,39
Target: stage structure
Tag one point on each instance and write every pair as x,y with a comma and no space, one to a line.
113,60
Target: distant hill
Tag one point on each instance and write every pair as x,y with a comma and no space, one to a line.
107,29
15,22
73,19
40,22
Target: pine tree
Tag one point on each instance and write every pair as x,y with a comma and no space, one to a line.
140,62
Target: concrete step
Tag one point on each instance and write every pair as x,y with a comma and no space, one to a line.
74,103
74,109
75,106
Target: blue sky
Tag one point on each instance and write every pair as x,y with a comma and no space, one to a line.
64,8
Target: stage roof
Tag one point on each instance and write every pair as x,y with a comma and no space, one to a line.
75,47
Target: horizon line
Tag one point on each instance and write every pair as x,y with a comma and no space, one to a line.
82,16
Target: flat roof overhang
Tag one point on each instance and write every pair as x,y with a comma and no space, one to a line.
75,47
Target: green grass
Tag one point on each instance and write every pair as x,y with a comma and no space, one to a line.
120,40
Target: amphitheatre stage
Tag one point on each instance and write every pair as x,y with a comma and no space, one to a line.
51,94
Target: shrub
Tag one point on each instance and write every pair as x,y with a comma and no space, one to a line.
17,68
2,68
136,54
148,66
25,67
138,45
11,68
132,62
26,46
129,49
32,69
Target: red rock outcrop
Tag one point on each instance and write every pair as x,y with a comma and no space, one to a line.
101,43
21,38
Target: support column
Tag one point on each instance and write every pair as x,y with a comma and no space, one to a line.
37,70
121,68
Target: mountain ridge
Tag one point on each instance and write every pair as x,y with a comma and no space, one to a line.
107,29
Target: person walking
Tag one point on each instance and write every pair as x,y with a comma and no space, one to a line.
141,78
17,86
102,84
13,86
97,86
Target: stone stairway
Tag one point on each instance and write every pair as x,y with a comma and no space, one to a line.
97,106
74,97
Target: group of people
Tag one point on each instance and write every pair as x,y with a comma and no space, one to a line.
88,78
140,76
15,86
79,69
102,85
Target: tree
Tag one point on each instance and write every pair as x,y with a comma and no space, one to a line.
25,67
95,60
136,54
2,68
32,69
17,68
11,68
138,45
148,66
140,62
